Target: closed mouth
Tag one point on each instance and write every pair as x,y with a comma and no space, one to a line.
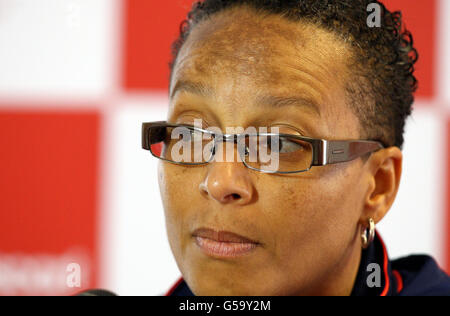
223,244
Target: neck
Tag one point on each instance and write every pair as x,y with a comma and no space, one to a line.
341,280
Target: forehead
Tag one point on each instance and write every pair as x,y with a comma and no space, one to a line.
240,53
242,41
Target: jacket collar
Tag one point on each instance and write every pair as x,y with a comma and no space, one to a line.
375,275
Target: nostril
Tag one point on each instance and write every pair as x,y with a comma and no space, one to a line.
231,197
235,196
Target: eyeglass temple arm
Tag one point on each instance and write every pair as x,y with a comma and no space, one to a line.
147,139
331,152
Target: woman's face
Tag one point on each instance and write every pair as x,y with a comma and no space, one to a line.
241,70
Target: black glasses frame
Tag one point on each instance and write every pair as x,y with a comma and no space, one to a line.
325,152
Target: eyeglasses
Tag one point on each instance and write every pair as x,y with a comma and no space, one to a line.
264,152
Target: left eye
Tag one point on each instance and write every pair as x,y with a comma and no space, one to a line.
283,145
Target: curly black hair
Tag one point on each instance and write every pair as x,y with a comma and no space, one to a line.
382,93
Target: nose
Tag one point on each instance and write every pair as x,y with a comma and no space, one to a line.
228,182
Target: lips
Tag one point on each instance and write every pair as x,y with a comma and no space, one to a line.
222,236
223,244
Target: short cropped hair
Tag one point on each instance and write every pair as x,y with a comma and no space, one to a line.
381,93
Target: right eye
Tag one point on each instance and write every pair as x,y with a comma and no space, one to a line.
187,136
191,136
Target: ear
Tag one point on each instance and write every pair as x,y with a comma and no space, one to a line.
384,169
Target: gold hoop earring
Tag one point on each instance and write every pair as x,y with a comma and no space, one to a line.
368,235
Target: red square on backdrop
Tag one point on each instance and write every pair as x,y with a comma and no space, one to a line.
48,195
421,19
151,28
149,32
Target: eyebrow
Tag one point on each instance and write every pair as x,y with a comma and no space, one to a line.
277,101
264,100
192,87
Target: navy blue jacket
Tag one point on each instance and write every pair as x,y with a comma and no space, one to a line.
409,276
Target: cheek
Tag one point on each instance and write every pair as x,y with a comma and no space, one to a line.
179,192
311,219
178,186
